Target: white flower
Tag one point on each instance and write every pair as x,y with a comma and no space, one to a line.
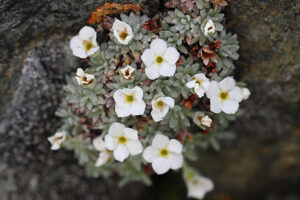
246,93
84,78
129,102
164,154
122,141
209,28
84,44
104,154
160,107
198,186
206,121
57,139
127,72
224,96
122,32
160,60
199,84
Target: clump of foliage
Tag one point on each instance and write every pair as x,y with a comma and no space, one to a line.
125,110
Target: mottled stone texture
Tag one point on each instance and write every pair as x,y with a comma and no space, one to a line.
261,163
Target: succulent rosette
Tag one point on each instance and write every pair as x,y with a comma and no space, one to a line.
154,92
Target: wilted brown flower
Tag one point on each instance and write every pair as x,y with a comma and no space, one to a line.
195,51
107,23
184,135
172,3
179,62
207,52
210,68
208,129
186,5
189,103
153,25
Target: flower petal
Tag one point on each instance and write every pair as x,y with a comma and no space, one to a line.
171,55
98,144
227,84
169,101
152,71
176,161
80,72
130,133
230,107
75,42
175,146
200,92
213,89
148,57
102,158
116,129
79,80
215,105
134,147
246,93
121,153
118,25
89,77
236,94
92,51
167,70
79,52
205,85
121,112
138,108
191,84
138,93
160,165
158,46
195,192
110,142
160,141
55,146
149,154
155,114
86,33
201,77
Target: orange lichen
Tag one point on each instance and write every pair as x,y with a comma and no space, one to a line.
111,9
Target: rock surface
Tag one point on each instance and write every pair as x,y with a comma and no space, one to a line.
262,163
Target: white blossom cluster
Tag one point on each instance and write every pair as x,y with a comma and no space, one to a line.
120,140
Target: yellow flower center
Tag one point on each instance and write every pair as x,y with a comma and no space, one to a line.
159,60
195,182
190,175
198,82
123,35
129,98
223,95
164,152
160,104
57,139
84,78
88,45
122,139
